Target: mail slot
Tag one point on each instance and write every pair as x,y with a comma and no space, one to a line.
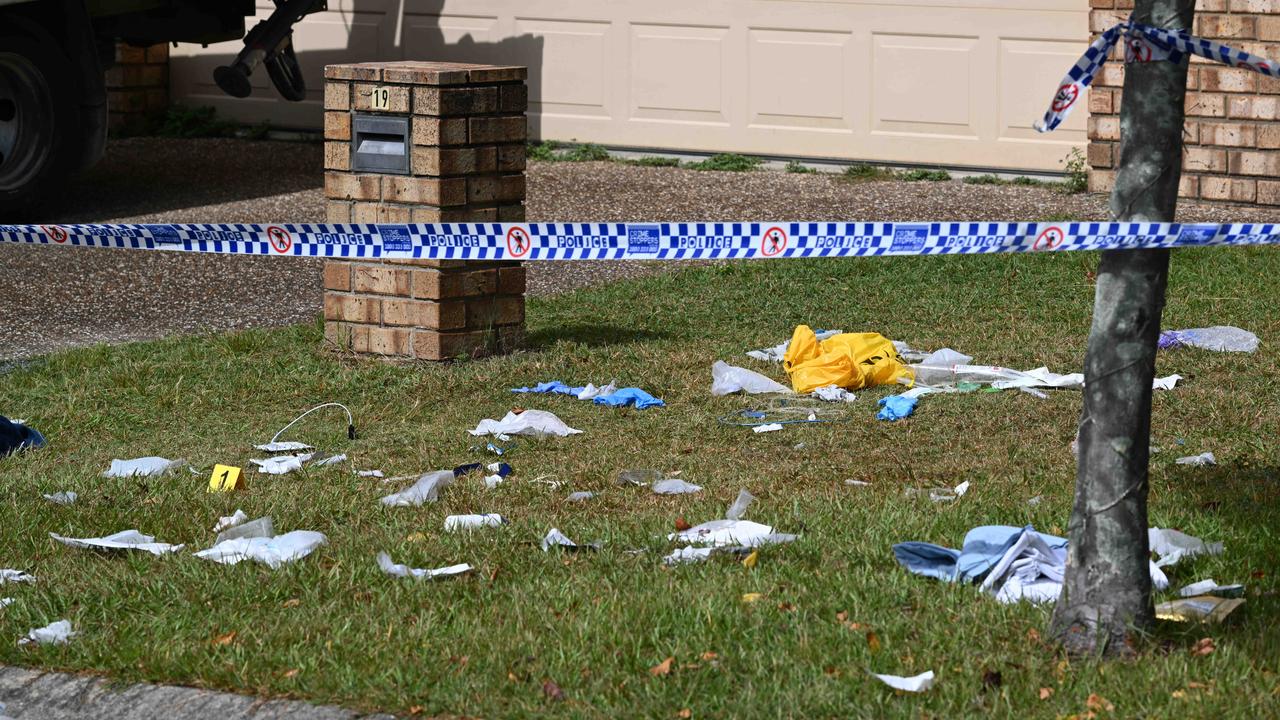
380,144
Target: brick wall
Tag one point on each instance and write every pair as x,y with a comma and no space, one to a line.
467,162
137,86
1232,139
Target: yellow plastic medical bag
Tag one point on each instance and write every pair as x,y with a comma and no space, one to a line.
848,360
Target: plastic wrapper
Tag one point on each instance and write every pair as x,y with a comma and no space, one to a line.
727,379
1219,338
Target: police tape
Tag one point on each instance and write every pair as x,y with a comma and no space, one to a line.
1143,43
641,241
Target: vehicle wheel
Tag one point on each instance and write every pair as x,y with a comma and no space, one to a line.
40,133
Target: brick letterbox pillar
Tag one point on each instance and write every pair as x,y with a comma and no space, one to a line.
424,142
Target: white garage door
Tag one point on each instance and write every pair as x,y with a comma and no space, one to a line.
950,82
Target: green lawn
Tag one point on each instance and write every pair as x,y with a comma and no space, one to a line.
333,628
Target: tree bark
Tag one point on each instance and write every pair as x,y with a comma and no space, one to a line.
1106,596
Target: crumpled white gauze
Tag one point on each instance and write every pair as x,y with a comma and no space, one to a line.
427,489
555,538
390,568
57,633
281,464
15,576
591,392
771,427
453,523
62,498
143,467
731,532
917,683
534,423
272,552
229,521
1172,546
674,486
726,379
6,602
123,540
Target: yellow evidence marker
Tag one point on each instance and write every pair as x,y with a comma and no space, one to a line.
226,478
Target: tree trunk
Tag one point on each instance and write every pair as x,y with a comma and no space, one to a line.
1107,591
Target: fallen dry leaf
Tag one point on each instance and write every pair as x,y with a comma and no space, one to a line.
552,690
1098,703
291,602
750,561
1046,693
225,639
708,656
1178,694
685,714
787,607
873,642
842,616
291,673
517,410
1033,635
751,597
682,524
663,668
1204,646
415,709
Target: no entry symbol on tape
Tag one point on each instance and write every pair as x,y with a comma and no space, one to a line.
1065,97
518,242
773,241
1050,239
55,233
280,239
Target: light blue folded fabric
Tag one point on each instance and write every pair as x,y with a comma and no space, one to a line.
983,548
628,396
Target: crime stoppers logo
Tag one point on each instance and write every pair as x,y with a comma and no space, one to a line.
1065,97
1050,238
773,242
518,242
55,233
279,238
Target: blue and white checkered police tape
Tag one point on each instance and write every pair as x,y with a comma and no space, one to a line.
641,241
1143,43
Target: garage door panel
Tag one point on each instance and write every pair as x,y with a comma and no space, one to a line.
923,84
677,73
1023,94
571,78
798,79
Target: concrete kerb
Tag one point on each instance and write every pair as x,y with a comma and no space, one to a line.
38,695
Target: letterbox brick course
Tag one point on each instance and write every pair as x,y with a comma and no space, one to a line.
467,129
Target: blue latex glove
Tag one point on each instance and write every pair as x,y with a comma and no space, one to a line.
627,396
555,387
896,407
